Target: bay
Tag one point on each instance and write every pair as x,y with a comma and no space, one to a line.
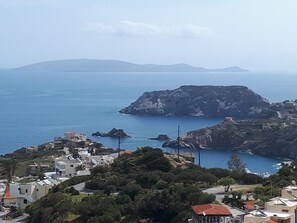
35,107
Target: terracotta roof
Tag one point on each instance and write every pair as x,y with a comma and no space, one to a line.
7,192
126,152
211,209
249,205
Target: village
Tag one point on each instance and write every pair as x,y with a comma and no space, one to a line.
18,193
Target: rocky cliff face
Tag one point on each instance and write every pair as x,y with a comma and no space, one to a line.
274,137
209,101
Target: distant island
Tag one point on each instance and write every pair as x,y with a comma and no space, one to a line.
93,65
207,101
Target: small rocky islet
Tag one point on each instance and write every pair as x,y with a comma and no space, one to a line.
113,133
161,137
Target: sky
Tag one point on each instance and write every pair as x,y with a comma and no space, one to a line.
258,35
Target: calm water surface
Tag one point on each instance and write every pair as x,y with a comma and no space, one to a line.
38,106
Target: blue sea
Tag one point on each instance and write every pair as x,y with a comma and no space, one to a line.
38,106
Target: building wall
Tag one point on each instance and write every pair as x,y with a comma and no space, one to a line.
41,190
202,219
19,202
255,219
70,169
282,209
23,203
26,189
66,168
289,193
26,193
8,201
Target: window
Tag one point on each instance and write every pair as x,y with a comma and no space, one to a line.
71,165
36,189
25,201
26,190
284,210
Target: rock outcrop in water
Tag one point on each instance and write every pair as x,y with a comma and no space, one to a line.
161,137
209,101
273,137
114,133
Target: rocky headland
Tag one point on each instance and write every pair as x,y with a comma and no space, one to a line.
208,101
273,137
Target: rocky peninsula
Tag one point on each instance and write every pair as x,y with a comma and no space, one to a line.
273,137
208,101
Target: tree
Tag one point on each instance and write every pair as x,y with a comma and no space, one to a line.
235,164
226,182
154,159
9,167
159,206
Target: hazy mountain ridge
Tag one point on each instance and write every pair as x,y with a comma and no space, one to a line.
93,65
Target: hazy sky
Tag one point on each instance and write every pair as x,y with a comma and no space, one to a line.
259,35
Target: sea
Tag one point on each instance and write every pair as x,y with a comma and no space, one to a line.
36,107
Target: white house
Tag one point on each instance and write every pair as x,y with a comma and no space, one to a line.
65,166
20,195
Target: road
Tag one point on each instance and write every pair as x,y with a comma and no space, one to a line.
219,191
81,188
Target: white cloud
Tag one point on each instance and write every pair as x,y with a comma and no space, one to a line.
137,29
97,26
191,31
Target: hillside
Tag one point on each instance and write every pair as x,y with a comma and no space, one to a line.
272,137
209,101
92,65
145,186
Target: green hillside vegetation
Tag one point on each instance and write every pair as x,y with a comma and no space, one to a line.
142,185
272,186
24,159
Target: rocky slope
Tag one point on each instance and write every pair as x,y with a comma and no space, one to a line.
209,101
274,137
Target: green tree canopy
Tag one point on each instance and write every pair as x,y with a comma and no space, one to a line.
235,164
226,182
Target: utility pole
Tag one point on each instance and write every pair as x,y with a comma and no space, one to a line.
119,142
178,141
199,155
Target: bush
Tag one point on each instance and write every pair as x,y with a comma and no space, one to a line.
146,180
